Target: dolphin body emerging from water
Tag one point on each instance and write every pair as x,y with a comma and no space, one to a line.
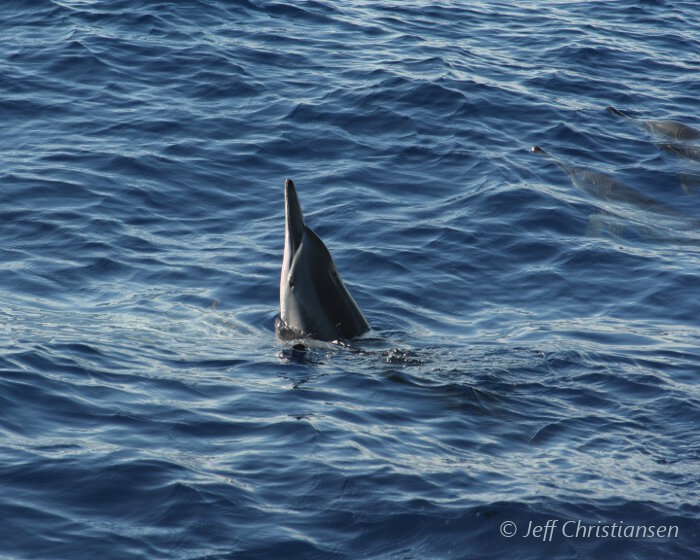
314,302
670,129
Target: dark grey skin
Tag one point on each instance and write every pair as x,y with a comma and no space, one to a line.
687,151
314,302
671,129
606,188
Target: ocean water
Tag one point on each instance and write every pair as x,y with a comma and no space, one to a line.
534,358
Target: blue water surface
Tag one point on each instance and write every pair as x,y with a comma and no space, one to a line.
535,348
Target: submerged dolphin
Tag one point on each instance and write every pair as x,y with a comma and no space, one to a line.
314,302
687,151
671,129
606,188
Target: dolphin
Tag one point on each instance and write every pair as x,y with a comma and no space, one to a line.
606,188
687,151
314,302
670,129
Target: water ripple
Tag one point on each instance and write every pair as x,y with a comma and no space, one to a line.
534,350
